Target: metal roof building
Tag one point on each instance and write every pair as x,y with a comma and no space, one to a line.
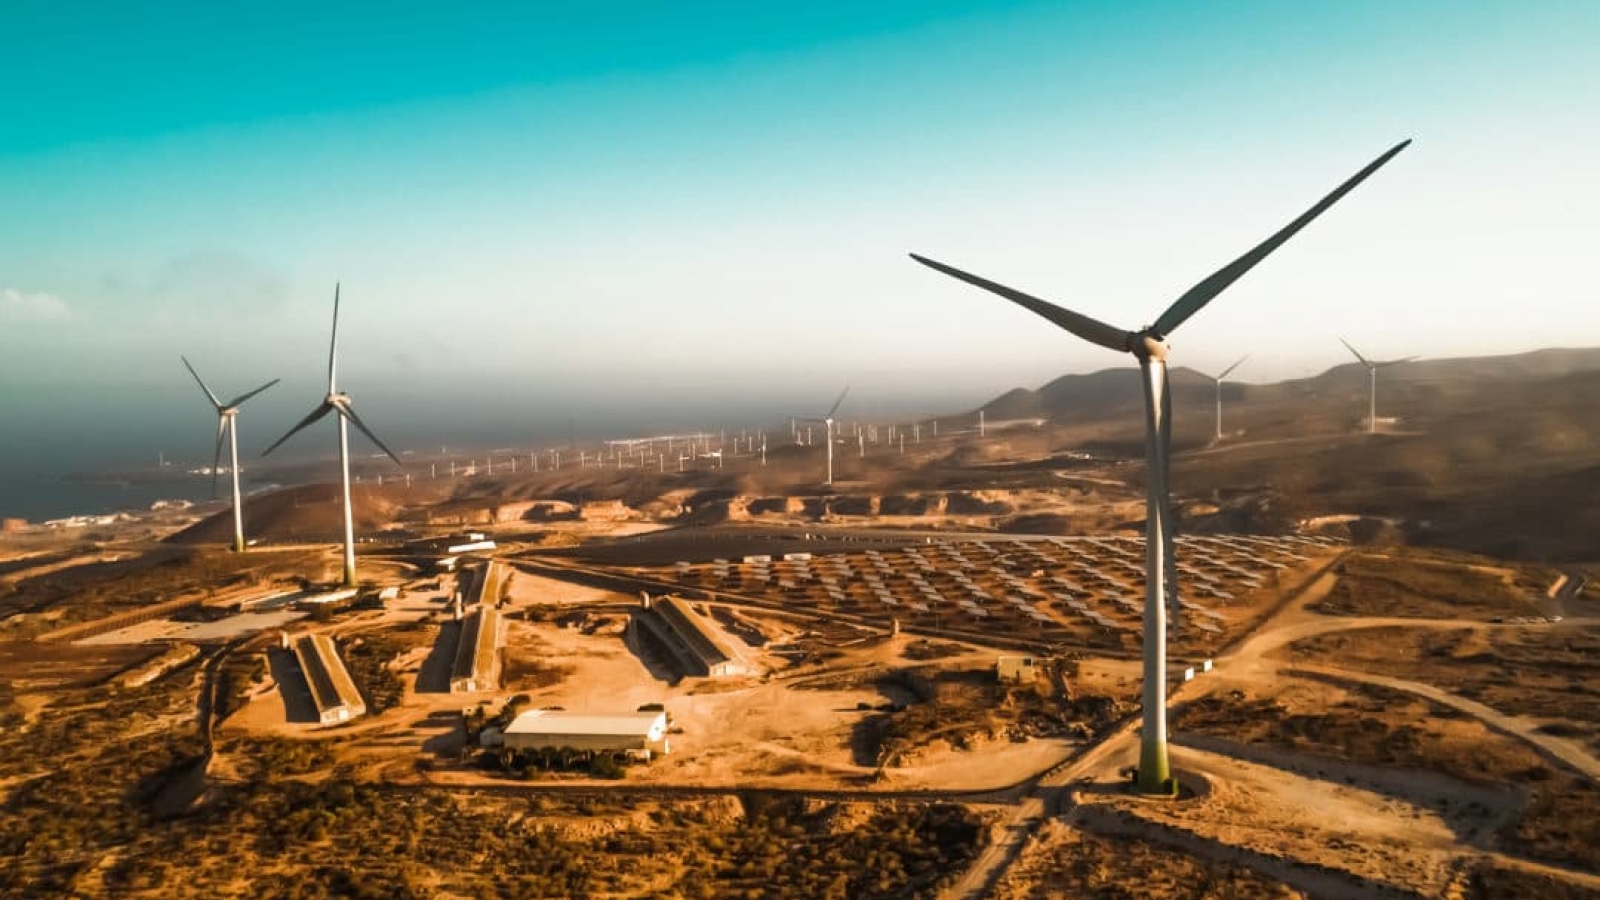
701,645
332,690
477,661
641,733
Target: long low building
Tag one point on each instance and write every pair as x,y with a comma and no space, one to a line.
476,666
332,689
639,733
698,642
479,584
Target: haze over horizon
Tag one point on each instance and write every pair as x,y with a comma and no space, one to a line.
638,211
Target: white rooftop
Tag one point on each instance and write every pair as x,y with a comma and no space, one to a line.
547,721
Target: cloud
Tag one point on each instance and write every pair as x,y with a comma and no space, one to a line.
19,306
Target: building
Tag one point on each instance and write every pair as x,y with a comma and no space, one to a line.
642,734
479,584
698,643
1017,668
472,541
332,690
477,661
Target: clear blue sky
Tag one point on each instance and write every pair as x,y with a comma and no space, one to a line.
605,202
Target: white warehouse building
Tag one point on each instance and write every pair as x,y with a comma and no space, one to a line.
639,733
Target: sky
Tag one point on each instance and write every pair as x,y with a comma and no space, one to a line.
700,212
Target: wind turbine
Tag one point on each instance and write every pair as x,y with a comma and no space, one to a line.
828,421
1372,383
339,403
1148,345
227,421
1218,379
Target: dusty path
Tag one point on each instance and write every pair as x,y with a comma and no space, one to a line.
1558,749
1249,661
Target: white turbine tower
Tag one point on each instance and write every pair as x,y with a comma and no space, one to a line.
1372,383
828,422
1149,347
228,422
340,403
1218,379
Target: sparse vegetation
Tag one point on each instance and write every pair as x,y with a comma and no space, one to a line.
1559,823
1080,865
368,658
1427,585
967,708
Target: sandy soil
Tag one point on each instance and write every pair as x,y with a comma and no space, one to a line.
221,630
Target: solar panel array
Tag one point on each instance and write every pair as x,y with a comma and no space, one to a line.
1062,589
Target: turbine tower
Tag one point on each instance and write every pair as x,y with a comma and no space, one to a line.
340,403
1148,345
1372,383
1218,379
228,422
828,422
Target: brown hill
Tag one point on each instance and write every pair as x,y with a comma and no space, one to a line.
310,513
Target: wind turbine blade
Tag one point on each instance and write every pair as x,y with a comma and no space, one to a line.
1229,370
333,346
1356,352
349,412
1202,293
216,462
197,380
1394,362
243,397
835,408
1091,330
321,410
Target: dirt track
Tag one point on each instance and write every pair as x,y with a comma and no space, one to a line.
1250,663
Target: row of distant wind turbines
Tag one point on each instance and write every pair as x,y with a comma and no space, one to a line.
1148,345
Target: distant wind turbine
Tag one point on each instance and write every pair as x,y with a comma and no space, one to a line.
828,421
1218,379
1148,345
340,403
1372,383
228,422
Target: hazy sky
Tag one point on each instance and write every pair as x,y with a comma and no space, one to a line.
604,202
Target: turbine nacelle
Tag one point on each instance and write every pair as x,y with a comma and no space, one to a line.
1147,345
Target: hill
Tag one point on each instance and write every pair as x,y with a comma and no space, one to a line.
309,513
1493,454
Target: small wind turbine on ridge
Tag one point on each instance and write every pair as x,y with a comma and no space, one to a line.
828,422
228,426
1218,379
1372,382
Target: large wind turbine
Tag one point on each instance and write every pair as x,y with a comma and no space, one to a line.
827,421
340,403
1218,379
1372,383
228,422
1148,345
